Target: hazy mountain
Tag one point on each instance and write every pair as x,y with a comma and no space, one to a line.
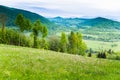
98,22
13,12
67,22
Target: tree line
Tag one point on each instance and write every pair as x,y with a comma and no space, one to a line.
71,43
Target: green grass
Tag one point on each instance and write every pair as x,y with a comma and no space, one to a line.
100,45
20,63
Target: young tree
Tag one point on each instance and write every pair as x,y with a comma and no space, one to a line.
28,24
76,45
63,42
81,46
22,23
3,19
38,27
44,31
73,43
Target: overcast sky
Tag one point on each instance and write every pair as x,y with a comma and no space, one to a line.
69,8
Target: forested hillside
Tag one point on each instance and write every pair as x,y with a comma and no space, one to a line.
99,22
11,14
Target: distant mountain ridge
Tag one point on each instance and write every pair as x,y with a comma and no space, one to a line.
59,22
11,14
98,22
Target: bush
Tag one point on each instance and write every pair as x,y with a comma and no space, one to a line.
89,54
42,43
101,55
117,57
13,37
54,43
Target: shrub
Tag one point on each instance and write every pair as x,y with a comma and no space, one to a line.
89,54
101,55
117,57
54,43
12,38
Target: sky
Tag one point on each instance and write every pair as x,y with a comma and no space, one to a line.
69,8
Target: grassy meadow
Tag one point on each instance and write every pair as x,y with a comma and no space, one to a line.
21,63
100,45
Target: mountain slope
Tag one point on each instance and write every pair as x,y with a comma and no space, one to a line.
13,12
98,22
20,63
67,22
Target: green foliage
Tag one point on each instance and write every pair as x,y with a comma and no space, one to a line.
101,55
44,44
76,45
117,57
28,24
63,42
44,31
89,54
20,22
38,27
12,38
113,55
72,43
3,20
23,23
54,43
12,13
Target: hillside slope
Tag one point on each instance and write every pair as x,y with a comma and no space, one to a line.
20,63
98,22
11,14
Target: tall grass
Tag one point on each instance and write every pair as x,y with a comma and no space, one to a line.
20,63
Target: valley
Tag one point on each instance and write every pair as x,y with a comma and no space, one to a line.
34,47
